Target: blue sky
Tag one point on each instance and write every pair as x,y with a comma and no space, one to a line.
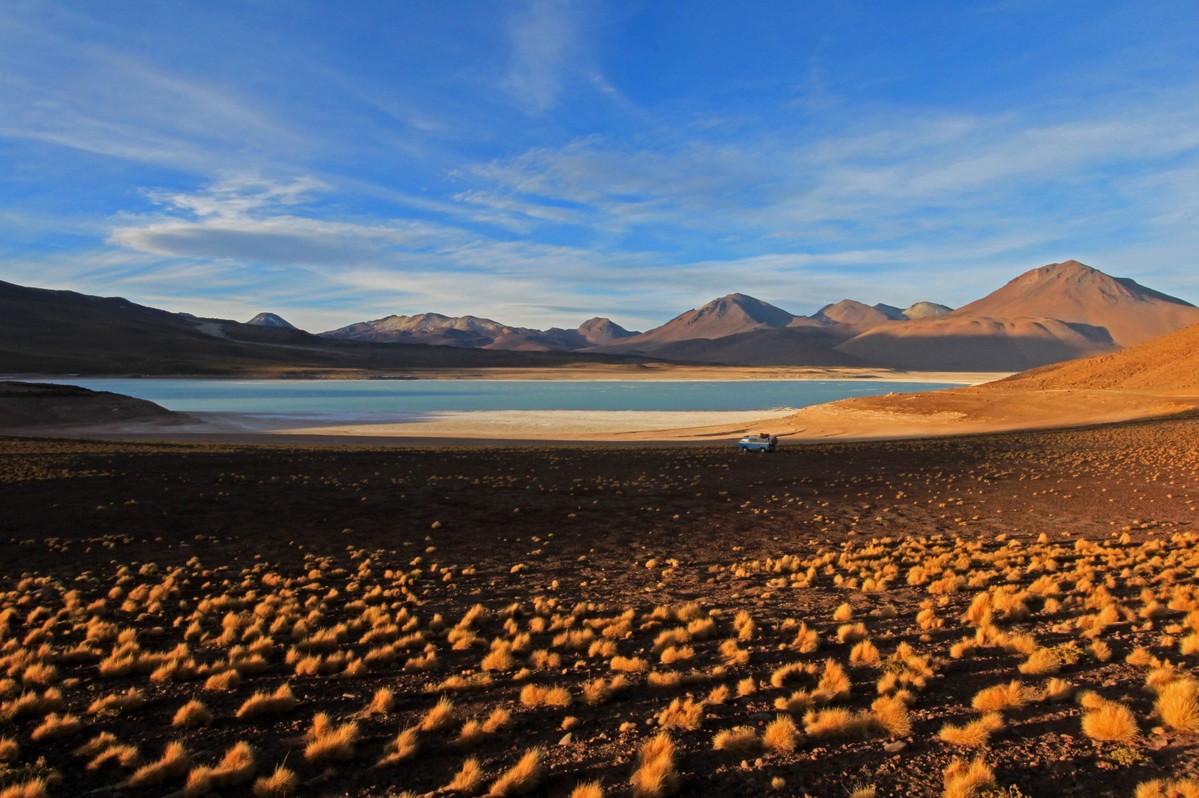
542,162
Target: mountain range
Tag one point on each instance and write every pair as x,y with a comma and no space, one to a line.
1053,313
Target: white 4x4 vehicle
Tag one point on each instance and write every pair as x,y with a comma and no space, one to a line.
761,442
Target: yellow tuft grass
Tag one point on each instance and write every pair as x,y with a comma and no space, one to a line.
739,739
519,779
1168,788
1111,722
1178,705
974,733
174,763
405,746
891,714
281,783
10,750
1000,696
682,714
193,713
34,788
967,780
590,789
439,716
55,725
837,722
264,703
327,742
536,695
655,775
467,779
781,735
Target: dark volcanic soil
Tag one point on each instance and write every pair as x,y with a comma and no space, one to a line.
247,541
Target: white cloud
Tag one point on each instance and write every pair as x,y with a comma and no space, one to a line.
544,41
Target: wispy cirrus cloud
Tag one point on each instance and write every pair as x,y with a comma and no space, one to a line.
545,44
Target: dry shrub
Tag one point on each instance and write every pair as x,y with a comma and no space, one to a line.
655,775
851,632
34,788
673,654
281,783
1111,722
55,725
498,719
404,746
891,713
1168,788
1000,696
864,655
1057,690
114,704
781,735
264,703
520,778
600,690
10,751
174,763
837,722
237,766
193,713
1178,705
834,683
590,789
974,733
224,681
535,695
439,716
1040,662
327,742
628,664
967,781
682,714
468,778
739,739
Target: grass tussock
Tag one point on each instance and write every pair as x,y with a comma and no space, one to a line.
173,764
781,735
521,778
264,703
405,746
280,784
193,713
655,775
738,740
967,780
1110,722
327,742
999,697
973,734
1178,705
468,779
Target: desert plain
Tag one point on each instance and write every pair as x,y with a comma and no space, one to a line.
199,618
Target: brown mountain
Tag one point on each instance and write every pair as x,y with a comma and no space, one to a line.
974,343
1057,312
1169,364
729,315
1074,292
858,314
63,332
926,310
789,346
600,331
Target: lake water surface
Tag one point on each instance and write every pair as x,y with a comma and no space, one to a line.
367,398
